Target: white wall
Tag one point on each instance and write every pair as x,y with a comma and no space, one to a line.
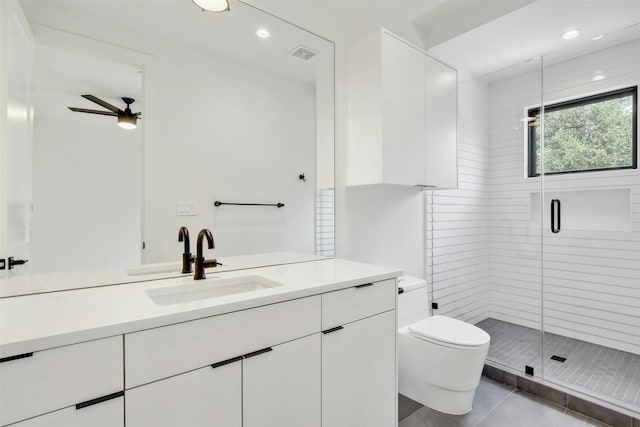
220,130
385,225
457,254
87,179
591,278
380,224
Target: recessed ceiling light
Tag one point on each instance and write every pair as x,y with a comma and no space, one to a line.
262,33
598,37
597,77
212,5
571,34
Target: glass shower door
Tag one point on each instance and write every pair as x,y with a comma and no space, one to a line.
514,221
588,160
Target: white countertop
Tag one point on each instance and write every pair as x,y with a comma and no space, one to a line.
36,322
28,284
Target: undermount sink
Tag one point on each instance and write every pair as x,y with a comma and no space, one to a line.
210,288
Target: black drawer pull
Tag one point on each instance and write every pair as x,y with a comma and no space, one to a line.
328,331
99,400
16,357
226,362
257,353
363,286
400,290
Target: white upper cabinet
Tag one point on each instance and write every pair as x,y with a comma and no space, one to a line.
402,115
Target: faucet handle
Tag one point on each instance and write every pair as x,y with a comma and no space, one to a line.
210,263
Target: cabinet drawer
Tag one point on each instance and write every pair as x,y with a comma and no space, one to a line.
53,379
358,302
105,414
161,352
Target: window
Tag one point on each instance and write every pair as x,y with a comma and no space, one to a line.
588,134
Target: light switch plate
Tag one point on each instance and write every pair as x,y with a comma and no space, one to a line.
186,208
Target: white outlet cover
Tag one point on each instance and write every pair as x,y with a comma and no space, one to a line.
186,208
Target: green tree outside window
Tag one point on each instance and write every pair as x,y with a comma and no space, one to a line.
587,134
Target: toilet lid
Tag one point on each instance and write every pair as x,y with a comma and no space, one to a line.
448,330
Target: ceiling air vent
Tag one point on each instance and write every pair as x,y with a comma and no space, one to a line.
303,52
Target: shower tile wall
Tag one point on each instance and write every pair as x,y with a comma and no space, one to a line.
592,278
325,222
457,219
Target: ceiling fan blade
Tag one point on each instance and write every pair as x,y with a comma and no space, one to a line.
103,103
84,110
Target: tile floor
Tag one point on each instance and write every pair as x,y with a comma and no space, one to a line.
612,373
495,405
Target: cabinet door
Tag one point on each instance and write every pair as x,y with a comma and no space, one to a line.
35,383
104,414
204,397
359,373
281,387
403,112
441,124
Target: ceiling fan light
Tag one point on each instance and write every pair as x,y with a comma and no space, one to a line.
212,5
127,121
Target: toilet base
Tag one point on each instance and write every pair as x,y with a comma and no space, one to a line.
447,401
438,376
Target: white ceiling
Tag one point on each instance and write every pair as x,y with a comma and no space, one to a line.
476,36
504,44
159,26
423,22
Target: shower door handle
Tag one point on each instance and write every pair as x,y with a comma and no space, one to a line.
555,216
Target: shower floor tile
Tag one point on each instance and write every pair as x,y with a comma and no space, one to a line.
615,374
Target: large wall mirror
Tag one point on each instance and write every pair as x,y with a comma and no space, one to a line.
236,107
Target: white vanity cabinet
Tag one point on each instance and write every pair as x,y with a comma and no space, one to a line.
359,356
402,115
74,385
320,355
273,387
255,367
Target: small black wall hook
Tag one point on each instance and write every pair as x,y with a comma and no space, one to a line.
302,178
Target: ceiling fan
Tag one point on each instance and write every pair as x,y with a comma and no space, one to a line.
126,119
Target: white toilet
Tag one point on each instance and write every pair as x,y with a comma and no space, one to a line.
440,359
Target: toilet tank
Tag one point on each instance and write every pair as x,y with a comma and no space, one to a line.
413,303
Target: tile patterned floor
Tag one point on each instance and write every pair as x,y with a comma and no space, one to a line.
495,405
612,373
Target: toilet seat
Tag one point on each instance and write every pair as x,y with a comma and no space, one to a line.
449,332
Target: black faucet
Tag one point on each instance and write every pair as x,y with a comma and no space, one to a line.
202,263
187,258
